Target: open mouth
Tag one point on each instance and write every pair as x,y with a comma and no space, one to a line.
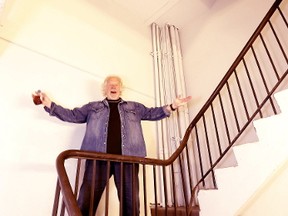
113,92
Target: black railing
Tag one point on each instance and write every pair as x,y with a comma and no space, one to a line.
243,95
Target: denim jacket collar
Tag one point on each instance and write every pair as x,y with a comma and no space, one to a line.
105,101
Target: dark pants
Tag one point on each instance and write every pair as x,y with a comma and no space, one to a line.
130,186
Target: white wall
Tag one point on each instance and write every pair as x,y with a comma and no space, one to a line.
212,40
64,48
271,198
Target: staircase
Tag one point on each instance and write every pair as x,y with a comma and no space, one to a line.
256,161
242,102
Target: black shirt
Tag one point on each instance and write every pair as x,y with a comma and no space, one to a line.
114,129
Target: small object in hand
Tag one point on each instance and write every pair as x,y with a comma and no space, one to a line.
36,98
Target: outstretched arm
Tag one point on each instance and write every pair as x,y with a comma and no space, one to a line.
76,115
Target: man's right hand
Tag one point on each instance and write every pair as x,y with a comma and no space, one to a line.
45,100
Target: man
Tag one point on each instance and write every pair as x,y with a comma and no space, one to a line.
114,127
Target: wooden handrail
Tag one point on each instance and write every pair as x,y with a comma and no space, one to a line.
68,195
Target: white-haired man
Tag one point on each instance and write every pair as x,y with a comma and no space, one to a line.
114,127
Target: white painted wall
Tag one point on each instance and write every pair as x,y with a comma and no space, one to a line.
271,198
64,48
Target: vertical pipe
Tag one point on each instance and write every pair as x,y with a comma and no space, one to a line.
169,83
157,74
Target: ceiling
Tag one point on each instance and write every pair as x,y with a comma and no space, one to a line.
176,12
149,11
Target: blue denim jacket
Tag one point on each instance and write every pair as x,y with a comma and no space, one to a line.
96,115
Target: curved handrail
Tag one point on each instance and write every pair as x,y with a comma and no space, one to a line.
63,179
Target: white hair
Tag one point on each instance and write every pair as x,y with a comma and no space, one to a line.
106,81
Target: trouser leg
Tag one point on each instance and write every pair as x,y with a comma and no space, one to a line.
130,187
86,192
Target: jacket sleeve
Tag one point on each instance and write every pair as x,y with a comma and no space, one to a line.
153,113
76,115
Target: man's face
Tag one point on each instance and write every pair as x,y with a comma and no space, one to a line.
113,89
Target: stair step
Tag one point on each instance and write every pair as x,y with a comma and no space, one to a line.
245,154
282,102
169,211
256,162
